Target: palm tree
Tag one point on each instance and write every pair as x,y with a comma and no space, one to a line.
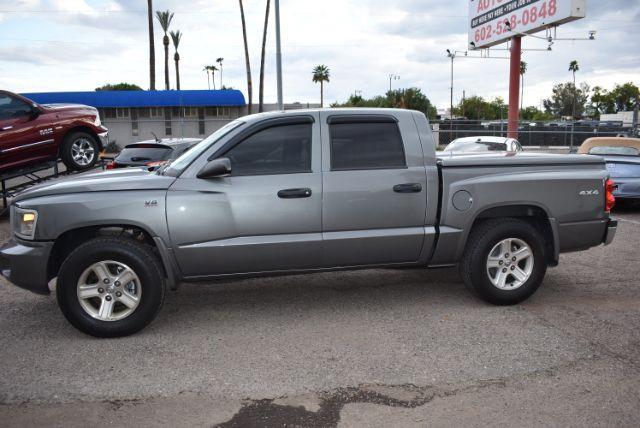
206,69
152,48
574,67
220,61
264,48
246,57
213,69
321,74
176,36
165,21
523,71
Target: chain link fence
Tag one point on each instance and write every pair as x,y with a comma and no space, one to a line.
532,134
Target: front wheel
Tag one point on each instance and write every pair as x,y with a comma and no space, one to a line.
80,151
504,262
110,287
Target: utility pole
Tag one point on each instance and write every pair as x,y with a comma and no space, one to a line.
279,56
451,55
514,86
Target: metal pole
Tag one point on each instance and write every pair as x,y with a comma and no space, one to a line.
451,104
514,87
279,56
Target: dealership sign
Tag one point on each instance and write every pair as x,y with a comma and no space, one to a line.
495,21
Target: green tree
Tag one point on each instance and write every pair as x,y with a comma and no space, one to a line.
165,19
262,57
561,103
321,74
411,98
152,47
534,114
176,37
477,108
620,98
119,87
246,58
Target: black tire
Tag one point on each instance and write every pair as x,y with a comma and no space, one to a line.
138,257
483,238
66,153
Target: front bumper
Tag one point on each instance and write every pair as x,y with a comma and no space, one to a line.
610,234
104,139
24,264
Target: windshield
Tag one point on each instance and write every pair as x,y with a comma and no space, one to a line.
476,146
620,151
176,167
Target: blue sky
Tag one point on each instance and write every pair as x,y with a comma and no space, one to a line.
56,45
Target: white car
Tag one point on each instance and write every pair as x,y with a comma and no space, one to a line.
483,144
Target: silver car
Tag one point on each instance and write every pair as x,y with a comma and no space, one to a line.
483,144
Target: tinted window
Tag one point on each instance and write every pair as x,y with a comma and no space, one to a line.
366,146
11,108
622,151
143,155
278,150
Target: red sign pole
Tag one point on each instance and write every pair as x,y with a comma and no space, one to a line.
514,86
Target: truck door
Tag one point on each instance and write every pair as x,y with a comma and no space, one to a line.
266,216
374,189
23,140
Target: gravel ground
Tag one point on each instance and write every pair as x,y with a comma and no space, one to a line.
370,348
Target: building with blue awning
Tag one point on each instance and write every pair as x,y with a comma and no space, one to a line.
138,115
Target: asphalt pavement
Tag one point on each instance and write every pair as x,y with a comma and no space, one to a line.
369,348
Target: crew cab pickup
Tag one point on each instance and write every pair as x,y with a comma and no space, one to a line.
303,192
31,133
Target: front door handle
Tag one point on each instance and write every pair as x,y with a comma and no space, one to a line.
6,128
294,193
408,188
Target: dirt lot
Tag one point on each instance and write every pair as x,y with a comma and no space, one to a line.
373,348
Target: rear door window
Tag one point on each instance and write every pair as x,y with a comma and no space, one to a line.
144,154
366,145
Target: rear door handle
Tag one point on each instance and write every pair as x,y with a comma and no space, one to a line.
408,188
294,193
6,128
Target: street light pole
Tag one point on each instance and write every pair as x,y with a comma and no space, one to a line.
279,56
392,77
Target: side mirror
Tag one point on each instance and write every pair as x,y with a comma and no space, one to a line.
216,168
35,111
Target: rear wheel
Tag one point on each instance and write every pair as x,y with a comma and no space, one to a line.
80,151
110,287
504,262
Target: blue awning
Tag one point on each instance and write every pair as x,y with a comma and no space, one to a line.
102,99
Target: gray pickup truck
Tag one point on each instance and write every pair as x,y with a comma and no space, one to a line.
303,192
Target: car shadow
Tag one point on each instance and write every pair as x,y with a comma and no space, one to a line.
322,292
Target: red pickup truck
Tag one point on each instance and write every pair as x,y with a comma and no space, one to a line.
31,133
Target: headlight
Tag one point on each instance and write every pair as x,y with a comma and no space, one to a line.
24,223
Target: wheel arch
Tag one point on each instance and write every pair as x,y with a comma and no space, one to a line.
534,214
80,128
70,239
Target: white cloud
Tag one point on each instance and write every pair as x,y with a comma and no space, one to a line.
362,41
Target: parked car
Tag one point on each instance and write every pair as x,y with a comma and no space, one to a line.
483,144
152,153
302,192
622,156
31,133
